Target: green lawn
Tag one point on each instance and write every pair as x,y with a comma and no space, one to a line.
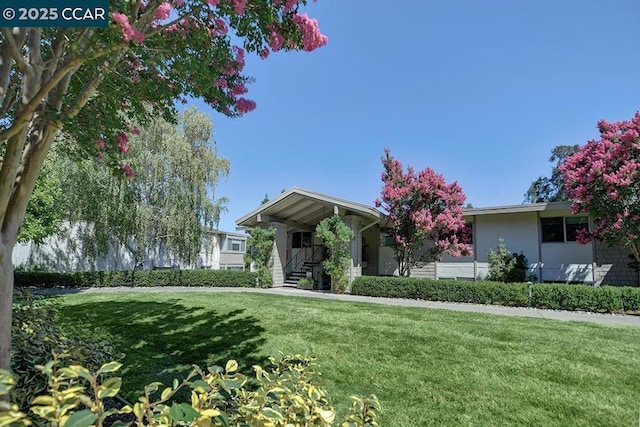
426,366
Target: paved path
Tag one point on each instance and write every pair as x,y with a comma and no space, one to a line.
605,319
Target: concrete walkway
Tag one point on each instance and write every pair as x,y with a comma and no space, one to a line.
578,316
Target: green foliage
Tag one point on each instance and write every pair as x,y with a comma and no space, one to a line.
141,278
507,267
36,338
610,299
45,213
33,268
259,251
553,188
306,283
166,203
336,236
284,393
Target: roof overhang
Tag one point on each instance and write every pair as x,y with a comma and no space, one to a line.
302,210
531,207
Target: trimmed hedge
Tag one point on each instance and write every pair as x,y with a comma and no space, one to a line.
610,299
143,278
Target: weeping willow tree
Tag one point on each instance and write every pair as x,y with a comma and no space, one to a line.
168,196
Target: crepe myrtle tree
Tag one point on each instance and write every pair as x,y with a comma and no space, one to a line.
93,82
424,214
603,178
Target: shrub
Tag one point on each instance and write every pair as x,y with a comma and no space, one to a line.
259,252
442,290
283,393
36,338
610,299
507,267
336,236
144,278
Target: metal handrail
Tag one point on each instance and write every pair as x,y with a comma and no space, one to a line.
294,264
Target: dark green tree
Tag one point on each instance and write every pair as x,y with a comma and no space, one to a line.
552,188
259,251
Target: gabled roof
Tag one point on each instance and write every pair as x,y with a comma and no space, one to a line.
304,209
531,207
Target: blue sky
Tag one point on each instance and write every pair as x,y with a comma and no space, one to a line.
480,91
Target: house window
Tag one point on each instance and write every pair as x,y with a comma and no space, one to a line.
301,239
234,268
386,239
552,229
235,245
561,229
573,224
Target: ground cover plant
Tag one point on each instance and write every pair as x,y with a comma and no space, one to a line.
426,366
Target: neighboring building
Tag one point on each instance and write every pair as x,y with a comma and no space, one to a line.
544,232
72,251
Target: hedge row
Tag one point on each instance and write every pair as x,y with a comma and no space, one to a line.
610,299
144,278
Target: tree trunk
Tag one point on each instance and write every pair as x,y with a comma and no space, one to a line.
6,302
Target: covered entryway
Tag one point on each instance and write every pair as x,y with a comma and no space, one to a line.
297,251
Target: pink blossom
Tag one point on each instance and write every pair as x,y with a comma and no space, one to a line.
122,139
135,130
213,2
163,11
275,41
289,4
128,32
239,89
220,26
312,38
238,6
128,171
421,207
264,53
244,105
99,143
122,21
604,179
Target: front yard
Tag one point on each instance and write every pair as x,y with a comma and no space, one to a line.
426,366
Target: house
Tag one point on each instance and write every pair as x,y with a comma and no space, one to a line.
72,250
544,232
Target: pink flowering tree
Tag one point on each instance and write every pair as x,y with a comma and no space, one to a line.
92,83
424,215
603,178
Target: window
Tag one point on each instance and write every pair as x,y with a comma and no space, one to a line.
386,239
561,229
301,239
234,268
552,229
235,245
573,224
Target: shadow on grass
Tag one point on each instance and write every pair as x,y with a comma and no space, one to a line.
161,340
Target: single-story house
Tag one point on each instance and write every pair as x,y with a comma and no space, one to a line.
544,232
71,250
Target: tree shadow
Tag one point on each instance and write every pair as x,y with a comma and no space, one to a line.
162,340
